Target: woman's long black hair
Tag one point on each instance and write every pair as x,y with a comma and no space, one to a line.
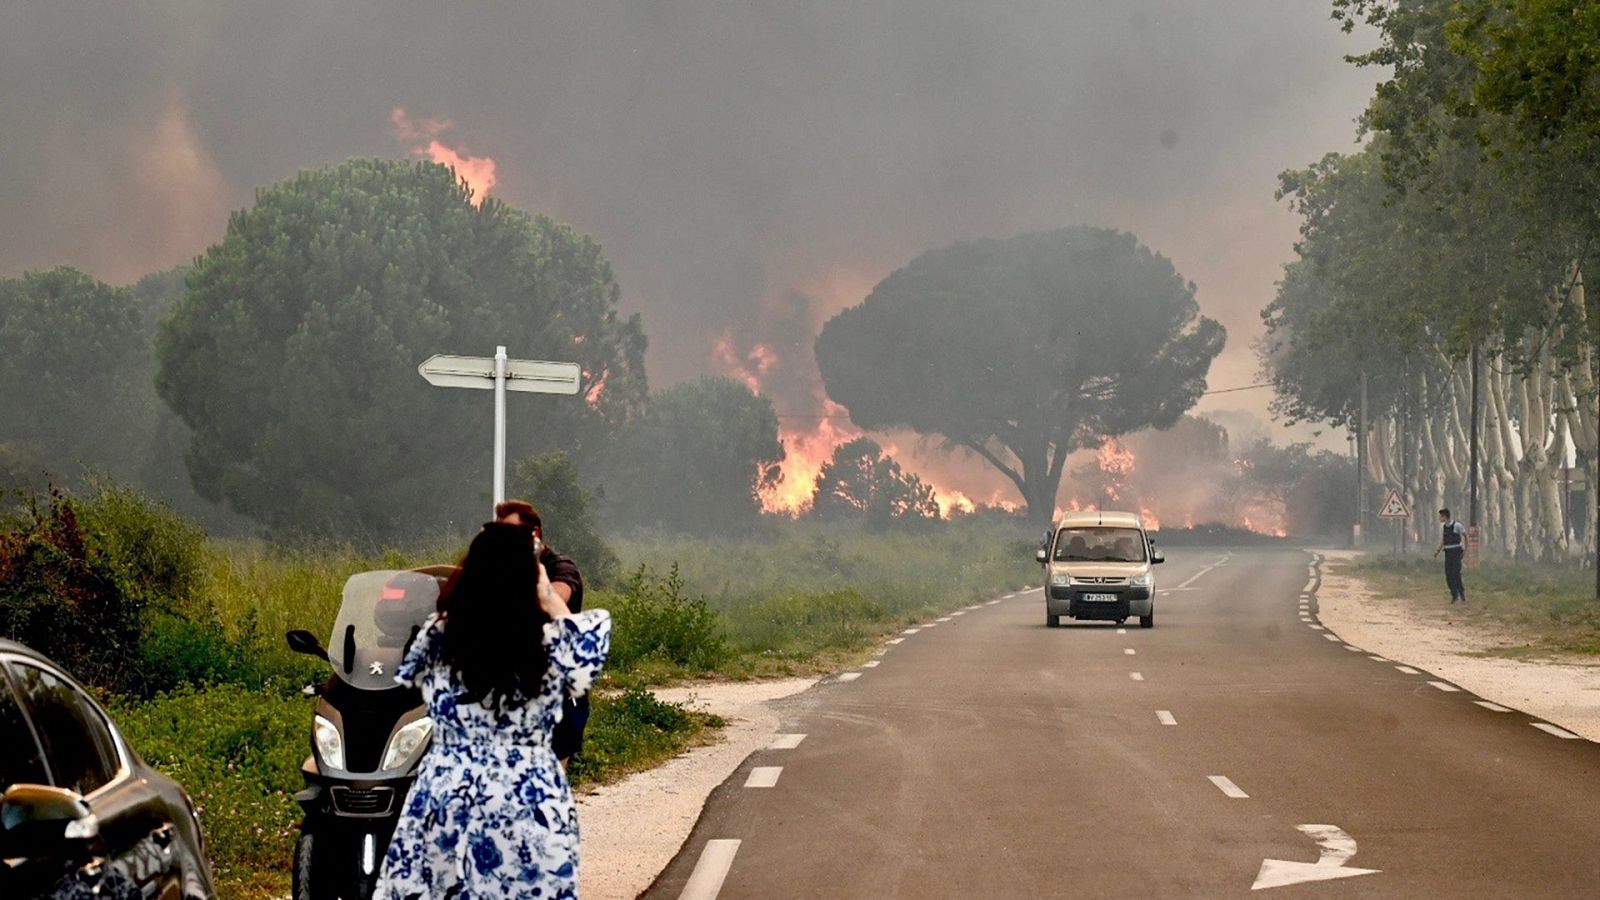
493,624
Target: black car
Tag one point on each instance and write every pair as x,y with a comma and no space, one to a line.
81,814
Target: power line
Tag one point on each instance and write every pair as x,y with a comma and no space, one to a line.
1230,390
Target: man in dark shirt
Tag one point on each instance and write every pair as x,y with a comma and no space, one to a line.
567,582
1453,544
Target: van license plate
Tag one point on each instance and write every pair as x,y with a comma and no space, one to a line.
1100,598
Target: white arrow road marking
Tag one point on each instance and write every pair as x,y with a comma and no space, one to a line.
1547,728
1337,849
785,741
710,871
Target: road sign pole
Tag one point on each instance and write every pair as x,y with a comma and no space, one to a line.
499,425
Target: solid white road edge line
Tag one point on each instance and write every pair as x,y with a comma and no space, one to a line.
763,776
1547,728
1165,717
716,858
1406,670
785,741
1445,686
1492,707
1227,787
849,676
1196,576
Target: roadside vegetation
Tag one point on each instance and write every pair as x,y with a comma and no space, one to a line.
182,635
1545,609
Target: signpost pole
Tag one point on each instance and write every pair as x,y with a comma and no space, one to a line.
499,425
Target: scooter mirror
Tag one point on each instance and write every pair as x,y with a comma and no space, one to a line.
302,641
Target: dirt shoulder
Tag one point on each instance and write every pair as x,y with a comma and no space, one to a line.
633,828
1562,689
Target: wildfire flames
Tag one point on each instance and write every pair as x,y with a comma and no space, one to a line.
423,137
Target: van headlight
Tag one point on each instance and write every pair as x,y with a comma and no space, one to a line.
407,742
1144,580
1060,580
330,744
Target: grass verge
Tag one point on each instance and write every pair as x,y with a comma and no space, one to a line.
1547,609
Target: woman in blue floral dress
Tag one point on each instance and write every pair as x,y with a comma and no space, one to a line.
491,814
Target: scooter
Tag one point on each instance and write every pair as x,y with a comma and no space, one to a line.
368,734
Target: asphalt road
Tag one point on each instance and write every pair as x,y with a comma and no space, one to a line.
989,756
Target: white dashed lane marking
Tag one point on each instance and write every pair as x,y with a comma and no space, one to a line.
1331,637
895,640
1377,659
942,619
911,631
1445,686
1353,647
1165,717
763,776
785,741
849,676
1406,670
1547,728
959,612
1136,676
1122,631
870,664
1492,707
1129,651
1227,787
710,870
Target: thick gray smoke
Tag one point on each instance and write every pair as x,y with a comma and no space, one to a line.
729,155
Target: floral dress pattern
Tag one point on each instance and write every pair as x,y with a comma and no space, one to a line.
491,814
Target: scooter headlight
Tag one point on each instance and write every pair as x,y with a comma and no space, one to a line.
330,744
407,742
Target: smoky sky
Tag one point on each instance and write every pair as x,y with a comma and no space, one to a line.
728,155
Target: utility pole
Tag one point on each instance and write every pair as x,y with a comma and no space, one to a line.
1361,464
1474,536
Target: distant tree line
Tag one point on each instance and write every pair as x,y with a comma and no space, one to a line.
1455,246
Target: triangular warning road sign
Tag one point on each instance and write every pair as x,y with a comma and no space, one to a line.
1394,507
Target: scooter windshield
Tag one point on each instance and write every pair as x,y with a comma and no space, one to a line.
377,617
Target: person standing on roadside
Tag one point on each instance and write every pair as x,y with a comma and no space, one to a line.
1453,544
567,582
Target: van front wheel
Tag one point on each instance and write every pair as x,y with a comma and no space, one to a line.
1148,621
1051,621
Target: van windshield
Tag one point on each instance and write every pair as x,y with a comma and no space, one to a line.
1100,543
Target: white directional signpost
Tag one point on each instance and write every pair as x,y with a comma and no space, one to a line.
1337,849
500,374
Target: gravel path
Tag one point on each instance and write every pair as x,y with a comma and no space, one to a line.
1562,690
633,828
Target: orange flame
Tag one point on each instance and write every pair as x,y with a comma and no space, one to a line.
478,172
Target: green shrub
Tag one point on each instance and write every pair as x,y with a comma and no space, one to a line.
238,754
655,621
634,731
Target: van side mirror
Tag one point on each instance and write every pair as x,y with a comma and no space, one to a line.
302,641
1156,558
39,820
1040,555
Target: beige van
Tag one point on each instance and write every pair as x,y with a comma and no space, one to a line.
1099,565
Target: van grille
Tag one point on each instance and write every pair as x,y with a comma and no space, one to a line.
1098,579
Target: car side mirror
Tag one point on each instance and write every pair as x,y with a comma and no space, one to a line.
1040,555
39,820
302,641
1156,558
